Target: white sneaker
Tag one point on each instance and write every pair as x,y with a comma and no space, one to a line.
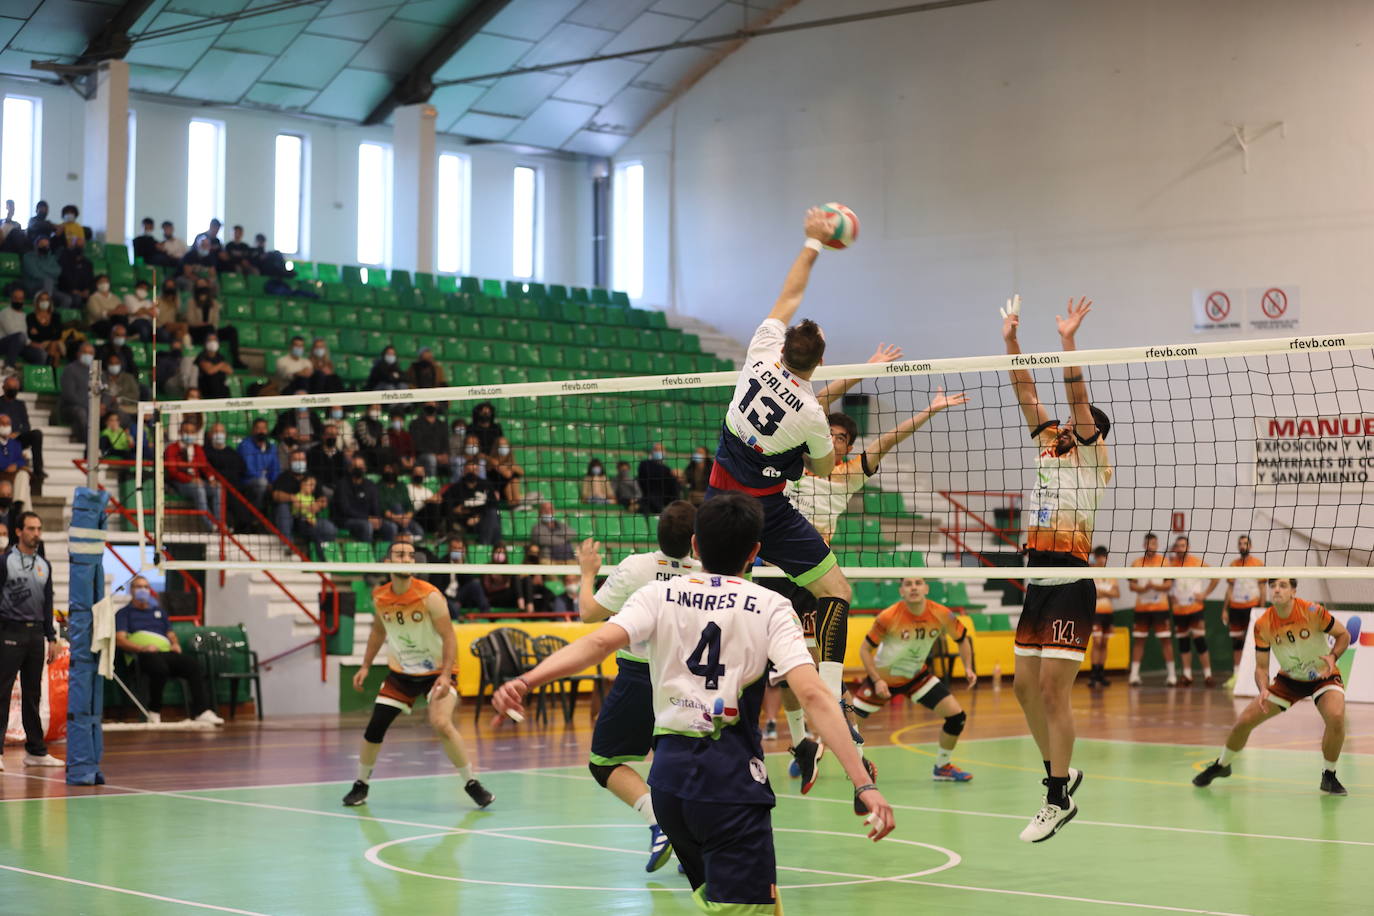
210,716
1134,682
2,764
1171,682
154,718
1048,821
47,760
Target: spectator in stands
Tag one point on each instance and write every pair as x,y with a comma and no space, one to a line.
566,602
485,427
138,306
230,465
457,435
627,493
77,279
469,506
424,372
116,443
260,463
657,484
541,599
269,263
399,441
13,407
238,254
171,327
200,262
44,330
104,308
286,444
294,369
11,231
356,506
203,317
304,422
14,334
143,615
214,370
121,390
188,470
210,237
472,451
460,591
506,473
40,227
325,379
326,461
118,345
297,506
394,496
177,371
195,418
427,504
696,476
75,390
41,270
145,245
70,232
347,441
171,249
503,590
370,431
385,374
429,439
14,469
555,538
595,487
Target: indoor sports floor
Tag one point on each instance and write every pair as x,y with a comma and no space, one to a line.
248,820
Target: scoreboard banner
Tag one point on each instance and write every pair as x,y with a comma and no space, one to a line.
1356,665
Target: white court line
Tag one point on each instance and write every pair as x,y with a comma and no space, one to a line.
998,890
125,890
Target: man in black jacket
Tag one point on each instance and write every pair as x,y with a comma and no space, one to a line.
657,484
231,466
327,462
469,506
429,437
357,507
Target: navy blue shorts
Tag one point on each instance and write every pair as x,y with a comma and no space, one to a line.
726,850
790,542
625,727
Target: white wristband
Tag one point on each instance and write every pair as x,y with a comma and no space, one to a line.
813,244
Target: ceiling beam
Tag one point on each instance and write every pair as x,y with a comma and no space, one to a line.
112,41
418,85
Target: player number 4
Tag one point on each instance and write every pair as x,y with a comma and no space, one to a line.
704,661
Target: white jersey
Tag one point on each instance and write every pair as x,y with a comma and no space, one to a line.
630,575
773,419
710,637
822,500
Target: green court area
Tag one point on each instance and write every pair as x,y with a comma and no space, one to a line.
1263,842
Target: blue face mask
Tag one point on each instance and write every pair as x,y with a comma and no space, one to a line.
142,594
657,456
698,458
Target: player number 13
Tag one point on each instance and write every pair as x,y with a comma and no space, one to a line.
765,425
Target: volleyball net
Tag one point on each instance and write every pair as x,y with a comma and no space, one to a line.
1272,439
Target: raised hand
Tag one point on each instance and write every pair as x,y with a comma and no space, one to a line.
942,401
1077,312
820,224
1011,317
886,354
589,556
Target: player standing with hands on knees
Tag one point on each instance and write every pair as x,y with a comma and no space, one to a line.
710,638
1072,471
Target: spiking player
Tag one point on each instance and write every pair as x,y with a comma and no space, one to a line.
624,729
894,655
1296,631
1151,613
1108,590
711,637
1242,597
1187,598
411,617
1072,472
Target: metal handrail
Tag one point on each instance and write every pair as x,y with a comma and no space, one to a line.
961,510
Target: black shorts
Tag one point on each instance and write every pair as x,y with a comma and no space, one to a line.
402,690
1187,623
1057,620
625,726
789,541
726,850
1102,623
1284,691
1238,620
1147,622
924,687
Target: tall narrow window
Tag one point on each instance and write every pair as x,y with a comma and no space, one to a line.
289,197
628,239
374,203
453,214
204,175
526,253
20,154
130,221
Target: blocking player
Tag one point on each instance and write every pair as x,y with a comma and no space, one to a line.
1187,598
894,655
1151,614
411,617
1296,631
624,729
1242,597
1072,472
710,637
1108,590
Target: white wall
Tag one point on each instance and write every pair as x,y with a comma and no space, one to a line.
160,180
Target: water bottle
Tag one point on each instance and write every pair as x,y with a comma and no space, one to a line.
997,676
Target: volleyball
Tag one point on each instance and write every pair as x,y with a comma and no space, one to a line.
149,638
846,227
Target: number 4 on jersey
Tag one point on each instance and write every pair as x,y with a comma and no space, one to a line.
704,661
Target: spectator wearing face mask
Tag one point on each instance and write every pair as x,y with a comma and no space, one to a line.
347,441
472,451
325,379
103,308
294,369
171,327
399,441
200,263
457,434
40,270
188,471
394,496
326,462
214,370
429,439
554,537
230,465
11,231
143,615
506,473
139,307
286,444
370,431
78,273
386,375
70,230
203,318
40,227
356,506
16,411
118,345
305,423
657,484
696,476
121,391
595,487
14,334
424,372
13,468
469,506
170,249
427,504
485,427
238,254
116,443
144,246
627,493
297,505
460,591
504,590
74,386
260,463
45,332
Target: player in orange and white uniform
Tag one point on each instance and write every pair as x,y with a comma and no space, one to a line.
1108,590
1187,598
411,617
894,655
1306,641
1151,614
1242,597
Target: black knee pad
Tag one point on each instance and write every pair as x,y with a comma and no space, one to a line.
1183,645
601,773
832,628
1200,644
1237,643
382,717
954,725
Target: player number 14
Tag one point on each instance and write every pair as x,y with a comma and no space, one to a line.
1063,631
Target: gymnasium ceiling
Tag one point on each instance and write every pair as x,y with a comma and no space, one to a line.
353,60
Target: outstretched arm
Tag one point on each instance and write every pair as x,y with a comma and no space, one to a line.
819,226
1021,380
589,560
889,440
1074,387
836,389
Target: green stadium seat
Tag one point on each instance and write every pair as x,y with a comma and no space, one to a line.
231,283
39,379
294,311
557,291
9,264
238,308
471,285
578,294
620,298
327,273
493,288
422,281
305,270
377,278
600,296
352,275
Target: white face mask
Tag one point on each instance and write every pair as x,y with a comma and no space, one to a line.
188,440
212,346
389,358
470,449
298,467
319,352
503,449
116,369
218,440
374,415
298,352
5,432
141,293
397,425
86,358
103,287
43,305
118,341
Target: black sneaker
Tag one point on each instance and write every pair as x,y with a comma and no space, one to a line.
872,768
1216,771
808,754
847,711
1331,785
356,795
478,793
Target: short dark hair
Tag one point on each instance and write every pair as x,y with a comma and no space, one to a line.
728,528
1291,581
71,208
148,221
167,222
1184,539
238,228
803,346
1152,537
845,422
675,528
1100,551
24,519
397,543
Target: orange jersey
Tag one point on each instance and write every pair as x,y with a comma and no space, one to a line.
1156,600
1187,594
1245,593
1068,489
414,646
1104,595
1299,640
904,639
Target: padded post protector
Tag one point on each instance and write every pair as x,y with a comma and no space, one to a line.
85,693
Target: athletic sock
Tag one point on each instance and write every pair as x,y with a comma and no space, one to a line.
1226,756
1135,670
1047,768
796,724
466,772
943,757
1207,669
832,675
644,806
364,772
1329,765
1057,791
1170,670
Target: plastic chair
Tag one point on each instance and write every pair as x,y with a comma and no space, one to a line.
569,687
503,655
228,658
